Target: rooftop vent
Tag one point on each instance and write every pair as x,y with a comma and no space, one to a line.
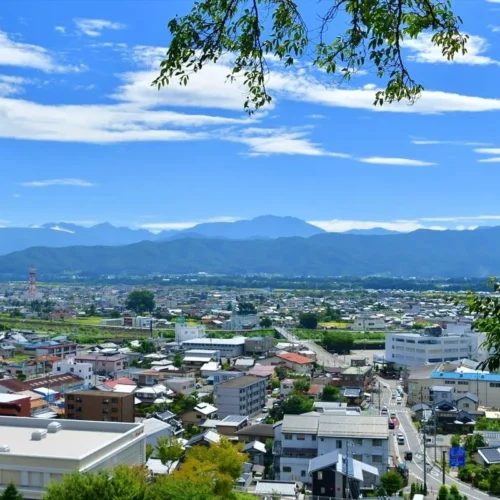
54,427
39,434
4,448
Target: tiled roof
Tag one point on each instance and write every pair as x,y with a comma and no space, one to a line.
295,358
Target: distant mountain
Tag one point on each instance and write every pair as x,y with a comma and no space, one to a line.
422,253
376,231
265,226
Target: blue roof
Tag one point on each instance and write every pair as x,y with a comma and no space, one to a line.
491,377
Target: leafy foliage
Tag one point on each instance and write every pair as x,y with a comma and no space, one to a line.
341,342
252,30
301,385
472,442
330,393
308,321
391,482
245,308
296,404
141,301
456,440
266,322
168,450
11,493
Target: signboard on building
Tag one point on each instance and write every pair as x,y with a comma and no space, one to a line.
457,457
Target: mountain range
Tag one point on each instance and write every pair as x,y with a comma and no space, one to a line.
62,234
422,253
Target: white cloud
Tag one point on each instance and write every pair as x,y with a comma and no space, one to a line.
94,27
60,29
165,226
493,28
461,218
265,142
340,225
316,117
378,160
425,142
13,53
488,151
495,159
58,182
425,51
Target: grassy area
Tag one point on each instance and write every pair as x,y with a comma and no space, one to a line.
19,358
304,334
227,334
334,324
93,320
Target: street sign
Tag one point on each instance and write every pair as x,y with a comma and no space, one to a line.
457,457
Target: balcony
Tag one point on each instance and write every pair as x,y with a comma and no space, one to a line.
299,453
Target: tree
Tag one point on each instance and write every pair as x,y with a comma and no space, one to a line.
257,32
11,493
308,321
391,482
178,362
456,440
296,404
340,342
114,314
91,310
168,450
141,301
281,372
301,385
266,322
146,347
330,393
494,479
245,308
149,451
443,492
472,442
170,487
125,483
454,493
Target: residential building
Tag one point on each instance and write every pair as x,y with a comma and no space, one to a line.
365,322
200,412
296,362
408,349
240,396
181,385
101,406
56,383
228,348
242,322
222,376
15,405
70,365
57,349
35,452
7,351
102,364
154,377
286,386
258,345
231,424
357,376
256,432
300,438
256,451
155,428
184,332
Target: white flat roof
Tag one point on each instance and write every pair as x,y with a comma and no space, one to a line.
9,398
75,440
216,342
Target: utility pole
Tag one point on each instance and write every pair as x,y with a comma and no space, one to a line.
425,442
379,406
435,433
444,467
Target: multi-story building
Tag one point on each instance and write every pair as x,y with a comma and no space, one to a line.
69,365
102,364
154,377
240,396
357,376
184,332
242,322
296,362
35,452
300,438
15,405
408,349
421,380
56,349
366,322
101,406
228,348
258,345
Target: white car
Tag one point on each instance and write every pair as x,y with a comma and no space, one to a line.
393,414
399,401
265,409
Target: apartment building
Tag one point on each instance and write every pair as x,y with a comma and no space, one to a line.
300,438
184,332
258,345
102,364
35,452
69,365
365,322
408,349
421,380
103,406
228,348
56,349
240,396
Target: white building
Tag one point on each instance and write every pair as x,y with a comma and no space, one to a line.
69,365
35,452
407,349
185,332
365,322
242,322
228,348
300,438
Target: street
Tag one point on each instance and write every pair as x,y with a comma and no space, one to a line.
413,443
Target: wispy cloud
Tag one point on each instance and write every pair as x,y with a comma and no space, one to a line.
461,218
59,182
342,225
60,29
316,117
424,142
423,50
379,160
95,27
488,151
166,226
24,55
495,159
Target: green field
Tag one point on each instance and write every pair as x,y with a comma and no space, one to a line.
223,334
94,320
304,334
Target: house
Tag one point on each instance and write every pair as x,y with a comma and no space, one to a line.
57,383
12,385
102,364
256,451
231,424
7,351
240,396
335,475
100,406
296,362
300,438
171,419
15,405
181,385
60,349
156,394
357,376
315,391
202,411
257,432
155,429
286,386
70,365
488,456
264,371
206,438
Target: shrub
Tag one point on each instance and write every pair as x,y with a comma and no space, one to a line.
484,485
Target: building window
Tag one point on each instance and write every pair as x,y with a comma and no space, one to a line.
466,405
287,469
320,475
303,473
71,407
105,401
376,459
494,384
114,400
114,410
339,444
376,442
301,437
322,491
314,437
70,397
288,437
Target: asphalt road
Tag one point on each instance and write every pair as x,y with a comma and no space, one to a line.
413,443
322,357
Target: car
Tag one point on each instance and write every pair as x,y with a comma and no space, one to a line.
265,409
408,456
391,424
399,401
383,411
401,438
393,414
393,395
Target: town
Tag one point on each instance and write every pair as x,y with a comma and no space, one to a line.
344,394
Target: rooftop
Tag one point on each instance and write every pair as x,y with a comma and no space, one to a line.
357,370
292,357
83,436
216,342
57,380
475,376
233,420
100,394
240,381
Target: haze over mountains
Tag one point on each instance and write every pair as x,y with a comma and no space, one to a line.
422,253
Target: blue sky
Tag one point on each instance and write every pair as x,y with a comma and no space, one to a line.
84,138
